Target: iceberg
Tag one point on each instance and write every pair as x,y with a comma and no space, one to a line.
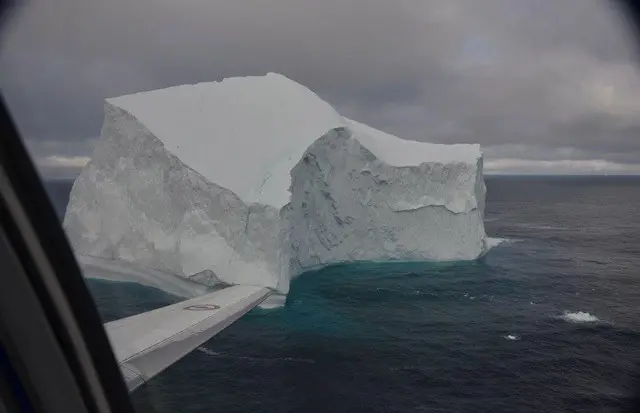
253,180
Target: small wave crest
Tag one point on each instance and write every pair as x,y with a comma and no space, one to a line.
216,354
579,317
543,227
511,337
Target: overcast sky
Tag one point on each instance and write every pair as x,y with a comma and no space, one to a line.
545,86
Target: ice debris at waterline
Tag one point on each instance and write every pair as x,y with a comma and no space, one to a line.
257,178
495,242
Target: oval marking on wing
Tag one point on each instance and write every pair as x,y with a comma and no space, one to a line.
202,307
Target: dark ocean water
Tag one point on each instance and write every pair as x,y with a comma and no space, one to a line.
486,336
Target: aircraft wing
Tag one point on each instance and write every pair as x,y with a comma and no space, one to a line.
147,343
123,271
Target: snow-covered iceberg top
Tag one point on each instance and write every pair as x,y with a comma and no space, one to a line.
247,133
254,179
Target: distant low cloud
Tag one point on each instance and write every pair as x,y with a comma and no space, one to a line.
559,167
61,167
57,161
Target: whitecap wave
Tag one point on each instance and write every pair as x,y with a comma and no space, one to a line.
579,317
511,337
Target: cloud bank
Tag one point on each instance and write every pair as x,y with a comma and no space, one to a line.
544,86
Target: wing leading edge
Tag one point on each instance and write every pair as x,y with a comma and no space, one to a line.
148,343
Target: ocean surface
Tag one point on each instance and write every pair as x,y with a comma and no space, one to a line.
548,321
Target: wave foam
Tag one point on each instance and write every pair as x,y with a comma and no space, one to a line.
579,317
511,337
212,353
543,227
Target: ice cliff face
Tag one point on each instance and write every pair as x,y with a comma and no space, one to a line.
252,180
348,205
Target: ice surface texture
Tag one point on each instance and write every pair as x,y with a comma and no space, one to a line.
255,179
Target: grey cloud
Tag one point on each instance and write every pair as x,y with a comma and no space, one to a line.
556,79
